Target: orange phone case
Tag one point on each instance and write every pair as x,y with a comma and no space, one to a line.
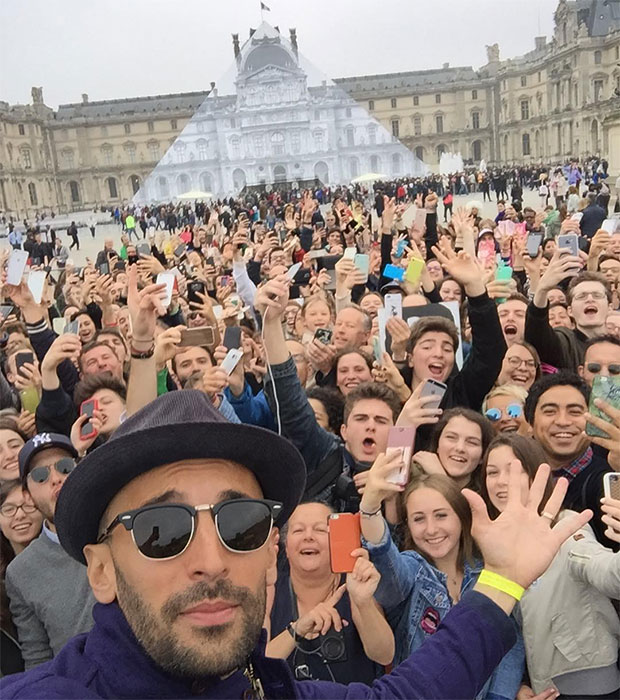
345,535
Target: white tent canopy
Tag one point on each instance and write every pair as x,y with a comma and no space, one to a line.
368,177
194,194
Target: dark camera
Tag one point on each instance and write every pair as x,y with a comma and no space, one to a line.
333,647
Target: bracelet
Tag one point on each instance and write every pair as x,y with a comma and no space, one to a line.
365,514
501,583
142,354
291,630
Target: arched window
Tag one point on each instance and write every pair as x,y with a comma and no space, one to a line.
179,149
32,193
375,164
475,120
441,149
112,187
354,167
206,182
107,154
350,136
372,134
419,152
525,142
476,150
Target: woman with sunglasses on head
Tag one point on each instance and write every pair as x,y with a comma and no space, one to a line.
439,561
20,523
327,625
503,406
570,627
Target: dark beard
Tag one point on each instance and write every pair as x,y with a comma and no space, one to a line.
218,650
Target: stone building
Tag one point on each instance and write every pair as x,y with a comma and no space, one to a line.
562,99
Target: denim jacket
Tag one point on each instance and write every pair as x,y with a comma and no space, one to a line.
415,598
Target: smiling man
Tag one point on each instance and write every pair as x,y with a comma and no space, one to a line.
556,408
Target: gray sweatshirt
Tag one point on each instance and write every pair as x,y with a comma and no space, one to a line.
49,597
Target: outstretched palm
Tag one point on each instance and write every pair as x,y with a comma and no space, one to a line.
520,544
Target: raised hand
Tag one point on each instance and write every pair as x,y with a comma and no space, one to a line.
419,410
272,297
611,428
323,616
144,307
362,582
465,268
520,544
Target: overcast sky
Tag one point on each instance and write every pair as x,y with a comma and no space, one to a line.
125,48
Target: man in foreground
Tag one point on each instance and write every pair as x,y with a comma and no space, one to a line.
180,563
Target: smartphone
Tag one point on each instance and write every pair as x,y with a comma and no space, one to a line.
414,270
193,289
58,325
16,266
202,336
88,408
419,221
320,253
400,248
610,225
145,249
503,273
5,311
376,351
400,439
611,485
23,358
345,535
104,268
323,335
225,280
362,262
570,242
302,277
232,337
532,244
179,250
350,253
72,327
168,279
292,271
36,283
394,272
231,360
577,216
394,305
432,387
608,389
486,250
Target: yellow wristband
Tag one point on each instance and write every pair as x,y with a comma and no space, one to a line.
488,578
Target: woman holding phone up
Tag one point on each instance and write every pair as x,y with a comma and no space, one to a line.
420,585
570,627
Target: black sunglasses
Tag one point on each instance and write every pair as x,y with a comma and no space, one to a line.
165,530
63,466
595,368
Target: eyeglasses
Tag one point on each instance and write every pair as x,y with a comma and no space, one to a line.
517,362
63,466
9,509
595,368
513,410
165,530
582,296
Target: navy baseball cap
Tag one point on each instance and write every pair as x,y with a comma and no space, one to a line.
40,442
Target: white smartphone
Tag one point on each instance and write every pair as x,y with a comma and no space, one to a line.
577,216
350,253
432,387
610,225
166,278
58,324
382,317
16,267
611,485
394,305
217,311
231,360
36,282
292,271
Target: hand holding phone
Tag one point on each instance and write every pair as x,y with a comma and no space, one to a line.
88,408
400,440
345,535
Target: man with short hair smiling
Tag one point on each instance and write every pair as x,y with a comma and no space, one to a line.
49,595
99,357
179,563
556,408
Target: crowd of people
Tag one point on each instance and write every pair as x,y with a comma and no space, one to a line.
288,358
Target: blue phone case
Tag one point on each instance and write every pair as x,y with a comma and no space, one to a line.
394,272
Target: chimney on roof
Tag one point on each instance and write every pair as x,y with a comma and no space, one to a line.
540,42
235,40
37,95
293,35
84,98
446,66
